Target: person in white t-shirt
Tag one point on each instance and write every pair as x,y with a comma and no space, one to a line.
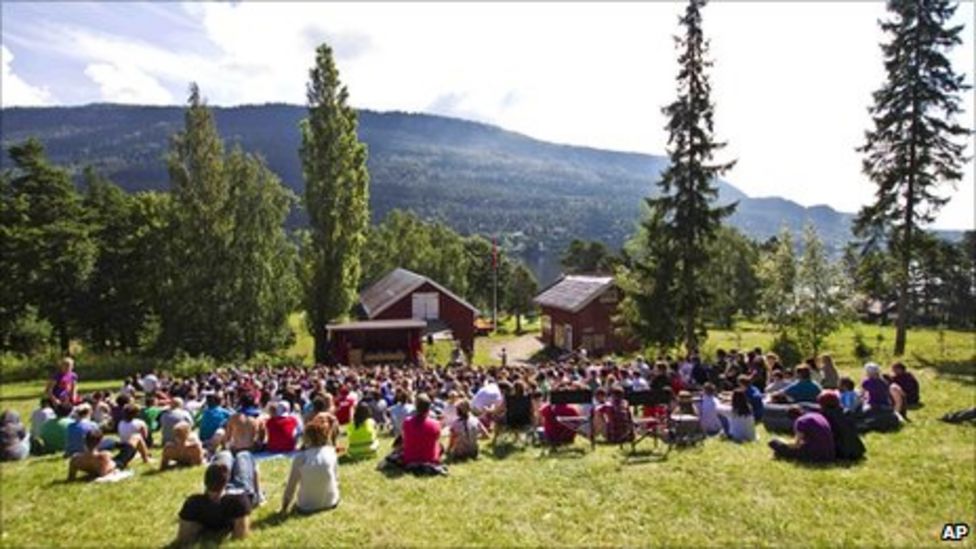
741,423
134,431
39,417
708,411
314,471
150,383
488,397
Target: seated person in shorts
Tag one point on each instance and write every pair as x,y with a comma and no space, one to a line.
904,379
99,463
215,511
184,448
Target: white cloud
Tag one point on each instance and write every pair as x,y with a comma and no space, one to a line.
127,84
792,81
17,92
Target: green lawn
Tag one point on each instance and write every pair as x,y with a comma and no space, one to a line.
912,482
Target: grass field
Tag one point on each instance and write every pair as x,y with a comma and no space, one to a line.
911,483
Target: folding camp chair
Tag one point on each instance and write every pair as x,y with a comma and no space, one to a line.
582,425
518,421
660,428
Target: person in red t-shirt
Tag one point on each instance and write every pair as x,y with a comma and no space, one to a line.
282,429
421,435
344,406
556,433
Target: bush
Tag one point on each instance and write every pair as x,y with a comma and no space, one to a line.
861,349
788,350
28,334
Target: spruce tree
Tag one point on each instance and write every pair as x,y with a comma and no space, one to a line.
914,145
683,221
48,252
820,294
336,199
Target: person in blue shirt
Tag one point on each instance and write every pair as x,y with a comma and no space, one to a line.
212,421
77,430
754,395
803,389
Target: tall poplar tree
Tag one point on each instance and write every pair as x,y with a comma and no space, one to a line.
914,145
336,199
683,221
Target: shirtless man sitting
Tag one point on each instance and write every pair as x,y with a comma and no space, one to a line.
242,431
184,449
99,463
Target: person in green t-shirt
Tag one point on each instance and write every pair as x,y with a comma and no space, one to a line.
54,432
361,434
150,414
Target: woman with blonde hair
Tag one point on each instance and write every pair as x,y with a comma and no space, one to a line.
314,470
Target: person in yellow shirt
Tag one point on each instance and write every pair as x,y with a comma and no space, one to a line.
361,434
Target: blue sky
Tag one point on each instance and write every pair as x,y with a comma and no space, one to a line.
791,82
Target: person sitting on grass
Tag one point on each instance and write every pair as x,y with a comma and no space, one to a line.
708,416
361,434
904,379
850,401
464,433
803,389
847,442
14,442
878,395
97,463
244,432
314,471
754,395
133,431
814,440
777,382
829,372
739,418
77,430
54,432
283,429
150,415
215,511
183,449
212,421
172,417
38,418
421,435
401,409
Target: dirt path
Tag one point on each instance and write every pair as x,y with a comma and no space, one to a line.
519,349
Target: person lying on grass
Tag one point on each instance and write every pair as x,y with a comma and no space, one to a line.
184,448
214,512
96,462
814,440
314,470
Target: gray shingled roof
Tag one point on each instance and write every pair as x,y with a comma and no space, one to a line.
573,292
392,287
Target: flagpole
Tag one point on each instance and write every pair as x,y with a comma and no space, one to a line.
494,265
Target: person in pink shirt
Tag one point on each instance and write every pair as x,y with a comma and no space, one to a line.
421,435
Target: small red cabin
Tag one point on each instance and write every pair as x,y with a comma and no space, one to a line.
404,294
577,313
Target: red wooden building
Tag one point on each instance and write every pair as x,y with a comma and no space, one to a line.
397,310
577,313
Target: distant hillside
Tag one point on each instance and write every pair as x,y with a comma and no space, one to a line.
476,177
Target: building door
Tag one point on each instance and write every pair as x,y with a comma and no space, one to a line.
426,306
569,337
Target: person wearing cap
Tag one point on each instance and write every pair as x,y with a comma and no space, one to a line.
75,441
282,428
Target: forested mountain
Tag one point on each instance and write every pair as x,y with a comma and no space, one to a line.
476,177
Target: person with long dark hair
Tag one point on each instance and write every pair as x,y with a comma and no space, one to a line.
361,434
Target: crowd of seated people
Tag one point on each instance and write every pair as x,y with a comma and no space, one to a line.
323,415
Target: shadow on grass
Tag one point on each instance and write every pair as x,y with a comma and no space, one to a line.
277,519
960,371
502,449
563,452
